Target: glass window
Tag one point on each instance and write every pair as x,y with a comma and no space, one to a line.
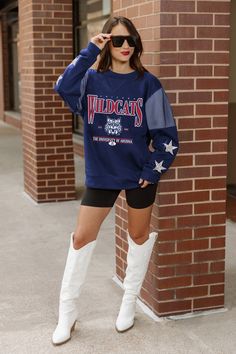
88,19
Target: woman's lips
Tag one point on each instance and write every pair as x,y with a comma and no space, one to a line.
125,53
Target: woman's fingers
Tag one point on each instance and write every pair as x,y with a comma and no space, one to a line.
143,183
101,39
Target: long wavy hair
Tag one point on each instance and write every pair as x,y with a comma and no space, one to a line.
105,55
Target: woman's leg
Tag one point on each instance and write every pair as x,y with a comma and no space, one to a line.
139,223
82,244
88,224
140,243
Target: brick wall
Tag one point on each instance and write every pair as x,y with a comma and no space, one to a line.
45,50
186,45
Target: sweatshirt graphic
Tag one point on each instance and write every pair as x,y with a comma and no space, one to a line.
122,114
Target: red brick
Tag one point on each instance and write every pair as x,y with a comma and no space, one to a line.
192,245
185,97
192,269
177,6
209,231
169,283
177,32
177,58
168,19
212,83
193,292
217,289
218,242
209,183
222,20
194,172
163,272
193,221
208,302
218,219
218,195
166,71
168,45
189,70
220,122
213,159
164,199
166,223
195,147
186,135
204,208
195,44
217,266
213,32
170,307
163,295
183,110
209,255
176,234
195,19
180,258
175,210
213,7
175,186
223,45
192,197
219,146
212,58
186,123
184,161
178,84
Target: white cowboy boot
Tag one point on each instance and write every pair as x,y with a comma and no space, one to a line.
137,264
73,278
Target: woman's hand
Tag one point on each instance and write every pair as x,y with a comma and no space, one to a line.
143,183
101,39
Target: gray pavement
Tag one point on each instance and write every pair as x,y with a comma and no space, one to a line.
34,241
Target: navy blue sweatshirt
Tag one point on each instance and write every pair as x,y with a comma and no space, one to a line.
122,114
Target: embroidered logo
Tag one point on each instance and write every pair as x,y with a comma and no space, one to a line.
113,126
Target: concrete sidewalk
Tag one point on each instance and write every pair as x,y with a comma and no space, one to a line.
34,241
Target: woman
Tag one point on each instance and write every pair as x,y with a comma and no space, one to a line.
124,107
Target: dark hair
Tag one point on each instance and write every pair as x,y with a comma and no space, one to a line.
105,55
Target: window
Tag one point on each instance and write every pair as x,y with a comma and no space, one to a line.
88,19
13,38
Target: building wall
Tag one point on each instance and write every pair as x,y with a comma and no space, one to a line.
231,178
46,49
186,44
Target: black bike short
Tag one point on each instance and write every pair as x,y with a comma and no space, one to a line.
137,198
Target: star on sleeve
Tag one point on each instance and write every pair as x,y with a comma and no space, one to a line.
170,147
159,167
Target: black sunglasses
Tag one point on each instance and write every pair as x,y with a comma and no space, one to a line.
118,41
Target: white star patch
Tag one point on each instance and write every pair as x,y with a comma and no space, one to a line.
159,166
170,147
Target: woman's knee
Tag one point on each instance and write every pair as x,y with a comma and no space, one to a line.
82,237
139,236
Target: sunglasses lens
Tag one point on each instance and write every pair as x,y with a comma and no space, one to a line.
131,41
118,41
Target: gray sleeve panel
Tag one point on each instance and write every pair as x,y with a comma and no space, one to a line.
158,111
83,85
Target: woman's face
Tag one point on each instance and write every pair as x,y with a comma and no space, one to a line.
125,52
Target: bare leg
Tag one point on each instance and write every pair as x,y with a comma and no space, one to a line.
139,252
139,223
88,224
